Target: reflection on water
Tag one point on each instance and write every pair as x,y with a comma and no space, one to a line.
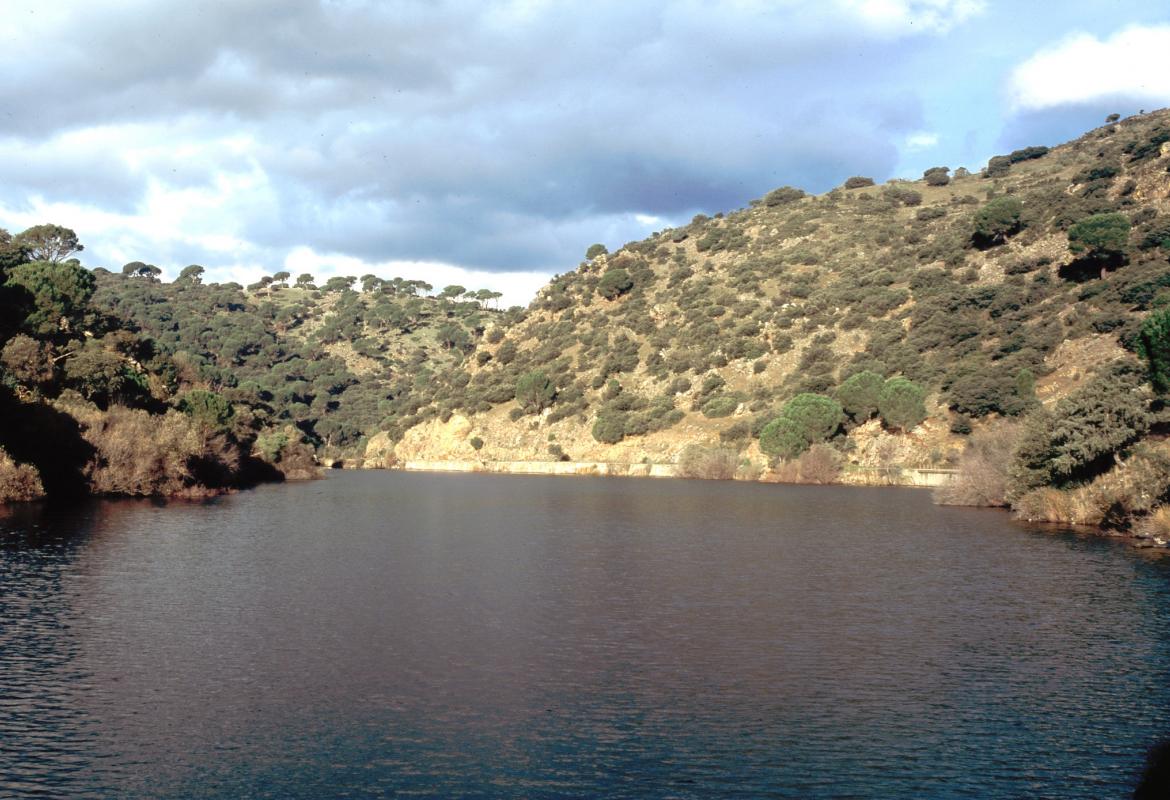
488,636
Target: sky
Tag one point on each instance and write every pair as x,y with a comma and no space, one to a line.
488,144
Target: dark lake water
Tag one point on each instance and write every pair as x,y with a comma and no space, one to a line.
389,634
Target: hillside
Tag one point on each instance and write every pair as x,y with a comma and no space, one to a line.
954,321
332,361
964,284
999,297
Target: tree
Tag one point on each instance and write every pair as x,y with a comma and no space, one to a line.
281,277
1112,118
149,271
208,409
99,374
858,182
595,250
937,176
305,281
535,392
859,393
60,293
817,416
452,336
339,283
1101,237
192,274
998,220
12,253
452,291
782,438
901,404
614,283
49,243
139,269
1153,346
28,360
805,420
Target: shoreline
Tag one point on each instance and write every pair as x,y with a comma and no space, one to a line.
901,477
857,476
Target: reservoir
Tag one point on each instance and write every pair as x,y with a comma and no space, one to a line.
423,635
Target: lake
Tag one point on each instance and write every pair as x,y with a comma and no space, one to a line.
402,634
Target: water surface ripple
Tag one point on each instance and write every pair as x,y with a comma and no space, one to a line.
388,634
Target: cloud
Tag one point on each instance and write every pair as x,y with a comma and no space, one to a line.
1133,64
518,288
921,16
498,137
922,140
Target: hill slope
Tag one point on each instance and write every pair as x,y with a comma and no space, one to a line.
701,334
1007,323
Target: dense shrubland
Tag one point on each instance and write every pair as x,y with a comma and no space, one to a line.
809,336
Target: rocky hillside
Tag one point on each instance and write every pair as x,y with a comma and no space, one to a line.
1013,324
990,293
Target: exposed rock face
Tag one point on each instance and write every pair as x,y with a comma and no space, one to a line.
380,452
450,440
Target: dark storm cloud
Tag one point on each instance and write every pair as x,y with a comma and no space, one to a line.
487,135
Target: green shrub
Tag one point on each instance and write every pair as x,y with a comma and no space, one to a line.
858,182
722,405
476,442
535,392
998,220
614,283
738,432
610,426
783,196
998,166
937,176
1153,346
1027,154
902,194
1078,438
208,409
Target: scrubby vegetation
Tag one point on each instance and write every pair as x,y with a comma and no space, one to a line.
115,383
1020,311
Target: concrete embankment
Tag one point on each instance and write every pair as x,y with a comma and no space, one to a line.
545,468
857,476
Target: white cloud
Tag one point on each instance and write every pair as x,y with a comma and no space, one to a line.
506,136
922,140
908,16
1134,63
186,225
518,288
